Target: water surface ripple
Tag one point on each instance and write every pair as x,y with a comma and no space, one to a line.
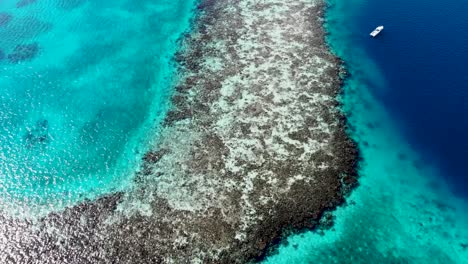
82,87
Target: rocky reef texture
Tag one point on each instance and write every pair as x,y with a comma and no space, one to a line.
253,146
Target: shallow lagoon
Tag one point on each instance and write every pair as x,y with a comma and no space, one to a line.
79,107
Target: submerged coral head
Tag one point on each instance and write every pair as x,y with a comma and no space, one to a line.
24,52
38,134
24,3
5,18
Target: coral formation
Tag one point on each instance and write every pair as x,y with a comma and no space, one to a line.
23,3
23,52
254,146
5,18
38,134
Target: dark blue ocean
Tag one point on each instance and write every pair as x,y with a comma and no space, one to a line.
406,99
423,54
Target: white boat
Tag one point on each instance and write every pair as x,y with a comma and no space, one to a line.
376,31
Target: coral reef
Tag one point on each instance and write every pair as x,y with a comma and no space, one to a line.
253,146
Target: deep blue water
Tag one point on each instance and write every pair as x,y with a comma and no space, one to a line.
423,54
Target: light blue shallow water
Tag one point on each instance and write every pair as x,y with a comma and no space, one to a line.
82,84
406,209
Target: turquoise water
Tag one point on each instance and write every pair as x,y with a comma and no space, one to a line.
405,209
82,86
